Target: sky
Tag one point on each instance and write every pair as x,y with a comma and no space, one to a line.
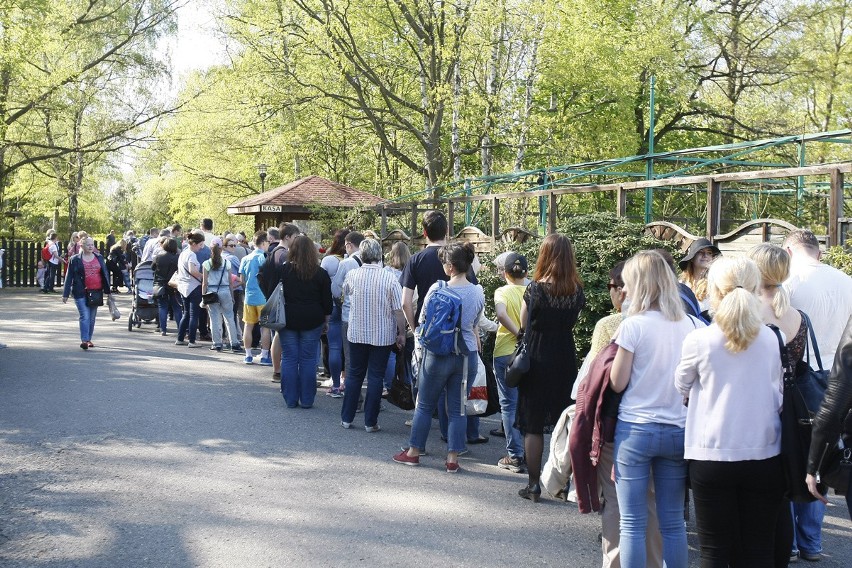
196,46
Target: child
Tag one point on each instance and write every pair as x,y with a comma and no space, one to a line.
40,273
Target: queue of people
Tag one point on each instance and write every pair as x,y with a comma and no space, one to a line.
697,402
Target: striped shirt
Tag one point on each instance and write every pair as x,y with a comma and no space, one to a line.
373,295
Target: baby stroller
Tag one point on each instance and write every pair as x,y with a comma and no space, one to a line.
144,305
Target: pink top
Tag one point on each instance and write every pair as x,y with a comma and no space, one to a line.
92,268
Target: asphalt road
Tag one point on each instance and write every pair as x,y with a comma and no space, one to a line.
140,453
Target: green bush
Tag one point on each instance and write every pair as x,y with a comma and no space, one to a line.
600,241
839,258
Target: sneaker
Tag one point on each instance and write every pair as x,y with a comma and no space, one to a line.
193,345
163,333
371,429
498,432
217,348
248,360
794,556
515,465
334,392
403,458
409,423
384,393
90,344
265,361
180,342
276,377
236,349
810,556
84,345
452,467
423,453
346,425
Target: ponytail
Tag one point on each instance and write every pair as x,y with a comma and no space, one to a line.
216,256
774,265
733,284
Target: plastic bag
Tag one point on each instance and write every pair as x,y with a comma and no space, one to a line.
477,399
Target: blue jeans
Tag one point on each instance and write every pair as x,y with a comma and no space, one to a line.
370,361
390,370
299,366
508,406
639,448
223,309
439,372
472,422
87,318
191,309
807,526
335,346
163,305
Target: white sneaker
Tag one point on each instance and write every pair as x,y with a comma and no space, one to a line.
371,429
346,425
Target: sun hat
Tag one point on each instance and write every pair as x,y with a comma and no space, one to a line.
697,245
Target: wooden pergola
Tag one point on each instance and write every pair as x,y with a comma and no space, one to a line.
294,201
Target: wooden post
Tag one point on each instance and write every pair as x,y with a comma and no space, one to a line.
384,222
551,217
413,222
714,208
621,202
495,220
451,210
835,208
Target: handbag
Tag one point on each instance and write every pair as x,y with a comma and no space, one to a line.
94,298
213,297
519,362
173,281
272,314
796,428
113,309
812,384
401,394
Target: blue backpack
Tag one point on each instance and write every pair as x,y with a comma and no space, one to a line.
440,331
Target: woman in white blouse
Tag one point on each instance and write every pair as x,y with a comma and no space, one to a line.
730,373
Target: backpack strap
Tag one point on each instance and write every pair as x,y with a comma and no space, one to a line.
813,341
789,374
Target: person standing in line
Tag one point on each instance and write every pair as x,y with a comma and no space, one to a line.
376,324
255,300
307,297
825,294
730,375
110,239
649,432
206,226
396,260
203,255
164,266
52,264
238,291
277,256
330,263
508,300
189,287
216,277
445,373
87,272
695,264
553,301
352,242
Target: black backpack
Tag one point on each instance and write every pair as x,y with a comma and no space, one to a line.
270,272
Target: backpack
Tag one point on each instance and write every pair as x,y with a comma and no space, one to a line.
440,331
269,273
46,255
694,308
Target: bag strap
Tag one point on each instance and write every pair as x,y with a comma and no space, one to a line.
813,342
789,374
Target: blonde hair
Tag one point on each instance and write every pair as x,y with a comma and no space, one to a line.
774,265
698,284
733,284
649,280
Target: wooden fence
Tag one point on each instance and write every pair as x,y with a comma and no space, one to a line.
20,262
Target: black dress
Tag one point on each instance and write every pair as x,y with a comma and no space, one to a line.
546,390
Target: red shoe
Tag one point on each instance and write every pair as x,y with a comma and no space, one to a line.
404,458
452,467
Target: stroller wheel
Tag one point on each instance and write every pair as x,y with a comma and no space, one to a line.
130,323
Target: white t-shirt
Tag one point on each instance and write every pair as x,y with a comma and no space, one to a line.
54,252
651,396
734,398
825,294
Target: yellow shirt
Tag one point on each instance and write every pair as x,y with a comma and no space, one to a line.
604,330
511,296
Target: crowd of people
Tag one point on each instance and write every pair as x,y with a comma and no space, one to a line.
696,375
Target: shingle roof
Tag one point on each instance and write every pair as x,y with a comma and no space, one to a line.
312,190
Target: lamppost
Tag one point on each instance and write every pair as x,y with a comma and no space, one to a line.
261,170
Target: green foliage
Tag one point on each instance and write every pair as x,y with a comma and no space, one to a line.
601,240
839,258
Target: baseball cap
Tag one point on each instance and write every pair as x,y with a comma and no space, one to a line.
515,263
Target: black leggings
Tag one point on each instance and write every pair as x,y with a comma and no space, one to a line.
736,507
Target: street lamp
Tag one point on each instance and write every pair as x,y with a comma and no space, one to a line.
261,170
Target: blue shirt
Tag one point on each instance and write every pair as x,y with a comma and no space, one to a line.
249,267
